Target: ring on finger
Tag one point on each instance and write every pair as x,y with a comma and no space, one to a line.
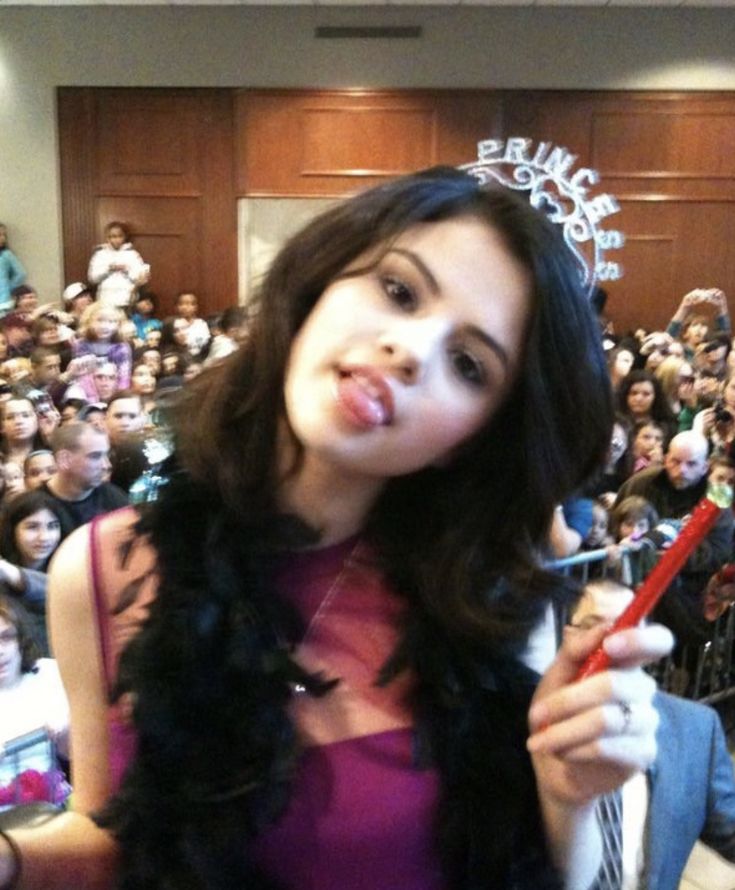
627,712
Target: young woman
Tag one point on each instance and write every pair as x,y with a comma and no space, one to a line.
640,397
342,577
30,531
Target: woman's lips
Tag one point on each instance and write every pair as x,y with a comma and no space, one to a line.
365,396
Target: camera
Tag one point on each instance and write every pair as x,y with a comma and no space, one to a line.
722,415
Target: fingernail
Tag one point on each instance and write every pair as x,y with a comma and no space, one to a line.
539,714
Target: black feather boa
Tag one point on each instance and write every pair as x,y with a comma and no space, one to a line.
211,676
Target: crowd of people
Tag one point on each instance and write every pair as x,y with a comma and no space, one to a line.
320,627
85,383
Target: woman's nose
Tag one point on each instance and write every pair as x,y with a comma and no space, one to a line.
407,348
400,361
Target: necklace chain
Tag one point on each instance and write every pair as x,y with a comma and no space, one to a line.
334,588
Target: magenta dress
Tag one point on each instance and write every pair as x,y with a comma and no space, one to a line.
361,815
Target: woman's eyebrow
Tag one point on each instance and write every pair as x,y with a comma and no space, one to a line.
420,265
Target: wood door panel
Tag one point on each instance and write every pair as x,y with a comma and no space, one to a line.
148,144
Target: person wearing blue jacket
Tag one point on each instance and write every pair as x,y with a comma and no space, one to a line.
12,272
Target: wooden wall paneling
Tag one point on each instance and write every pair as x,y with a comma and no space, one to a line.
218,248
328,143
465,118
148,142
77,174
168,235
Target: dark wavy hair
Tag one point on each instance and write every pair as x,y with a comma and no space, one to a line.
14,512
209,672
14,613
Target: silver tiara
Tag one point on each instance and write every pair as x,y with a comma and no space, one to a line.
563,196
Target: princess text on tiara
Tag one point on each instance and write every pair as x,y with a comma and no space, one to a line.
564,196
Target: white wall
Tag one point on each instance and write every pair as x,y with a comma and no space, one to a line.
537,47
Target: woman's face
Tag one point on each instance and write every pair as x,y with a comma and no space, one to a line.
10,657
408,355
39,469
20,423
104,324
623,363
649,440
153,339
37,536
143,380
640,398
180,327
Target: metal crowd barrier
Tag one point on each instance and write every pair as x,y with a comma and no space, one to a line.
704,673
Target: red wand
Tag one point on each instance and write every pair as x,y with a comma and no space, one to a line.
704,516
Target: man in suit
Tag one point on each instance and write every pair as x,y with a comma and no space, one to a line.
689,792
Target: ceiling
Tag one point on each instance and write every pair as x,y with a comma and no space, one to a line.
375,3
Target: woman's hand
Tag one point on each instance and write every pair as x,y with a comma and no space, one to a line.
589,737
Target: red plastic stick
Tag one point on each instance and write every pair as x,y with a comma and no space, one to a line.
653,587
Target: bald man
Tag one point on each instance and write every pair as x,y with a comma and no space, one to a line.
674,490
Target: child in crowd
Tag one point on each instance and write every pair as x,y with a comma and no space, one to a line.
117,268
648,445
100,340
721,471
144,316
634,554
598,536
76,297
197,329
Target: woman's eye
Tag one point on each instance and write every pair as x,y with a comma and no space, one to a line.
400,293
468,367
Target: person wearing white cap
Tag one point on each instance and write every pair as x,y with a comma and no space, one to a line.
77,296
